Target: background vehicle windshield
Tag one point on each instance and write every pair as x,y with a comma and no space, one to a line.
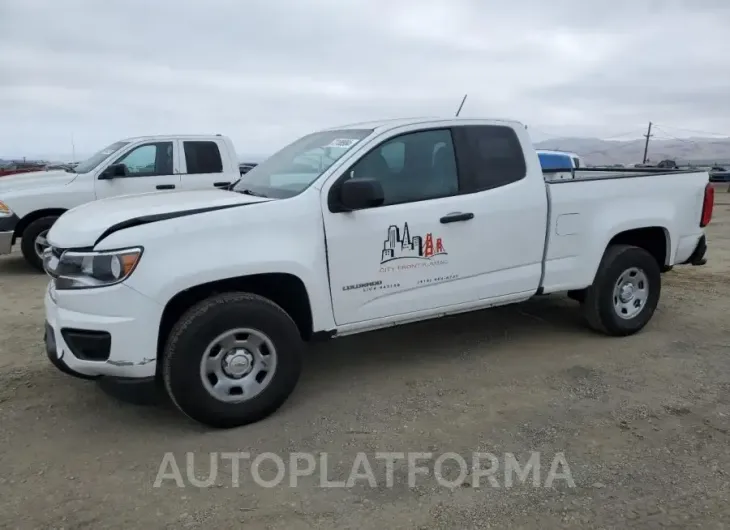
90,163
291,170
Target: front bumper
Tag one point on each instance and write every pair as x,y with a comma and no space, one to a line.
118,327
7,233
6,242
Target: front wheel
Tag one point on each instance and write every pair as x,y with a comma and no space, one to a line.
232,359
625,292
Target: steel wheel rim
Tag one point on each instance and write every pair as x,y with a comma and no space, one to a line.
41,243
238,365
630,293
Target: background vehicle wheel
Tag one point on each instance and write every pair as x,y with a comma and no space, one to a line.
625,292
232,359
34,240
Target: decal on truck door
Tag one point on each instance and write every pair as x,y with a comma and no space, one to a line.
403,253
402,246
376,285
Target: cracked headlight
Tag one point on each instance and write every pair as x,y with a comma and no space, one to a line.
86,270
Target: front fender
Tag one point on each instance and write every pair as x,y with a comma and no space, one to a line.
62,197
183,253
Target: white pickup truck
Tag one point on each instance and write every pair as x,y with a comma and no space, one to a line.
31,202
348,230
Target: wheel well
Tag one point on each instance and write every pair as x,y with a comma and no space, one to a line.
286,290
653,239
25,221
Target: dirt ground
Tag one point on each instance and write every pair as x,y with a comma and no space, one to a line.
643,423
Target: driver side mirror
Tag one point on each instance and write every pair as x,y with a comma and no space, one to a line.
361,192
114,171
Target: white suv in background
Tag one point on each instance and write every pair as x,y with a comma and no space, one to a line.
30,203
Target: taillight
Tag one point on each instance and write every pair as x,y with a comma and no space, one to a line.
707,205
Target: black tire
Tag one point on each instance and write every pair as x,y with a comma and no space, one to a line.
198,327
598,307
27,242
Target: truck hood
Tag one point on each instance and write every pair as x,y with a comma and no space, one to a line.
84,225
35,179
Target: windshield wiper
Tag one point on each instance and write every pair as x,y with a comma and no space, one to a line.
252,193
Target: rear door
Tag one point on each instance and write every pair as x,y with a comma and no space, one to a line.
202,165
508,200
150,167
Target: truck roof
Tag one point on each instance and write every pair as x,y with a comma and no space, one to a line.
158,136
394,123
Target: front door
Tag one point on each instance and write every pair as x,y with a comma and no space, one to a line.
151,168
406,255
448,233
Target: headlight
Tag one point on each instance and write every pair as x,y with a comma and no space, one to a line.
5,210
85,270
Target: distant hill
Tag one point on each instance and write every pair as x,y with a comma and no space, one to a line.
605,152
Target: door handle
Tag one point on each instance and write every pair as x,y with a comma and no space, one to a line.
166,187
221,184
456,217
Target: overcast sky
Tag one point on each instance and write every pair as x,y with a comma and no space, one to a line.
265,72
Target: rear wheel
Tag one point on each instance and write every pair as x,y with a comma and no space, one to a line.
625,292
34,240
231,360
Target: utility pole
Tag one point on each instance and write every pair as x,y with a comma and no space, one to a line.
646,145
73,149
461,106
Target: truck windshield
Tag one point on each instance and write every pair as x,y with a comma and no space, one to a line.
90,163
291,170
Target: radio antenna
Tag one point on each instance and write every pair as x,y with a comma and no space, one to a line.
461,106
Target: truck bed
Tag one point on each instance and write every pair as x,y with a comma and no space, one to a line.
597,173
608,202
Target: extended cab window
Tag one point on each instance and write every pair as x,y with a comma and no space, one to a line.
202,157
149,160
494,156
412,167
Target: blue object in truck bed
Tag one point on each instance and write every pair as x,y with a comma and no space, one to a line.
555,161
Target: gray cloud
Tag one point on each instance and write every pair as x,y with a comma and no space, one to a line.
265,72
